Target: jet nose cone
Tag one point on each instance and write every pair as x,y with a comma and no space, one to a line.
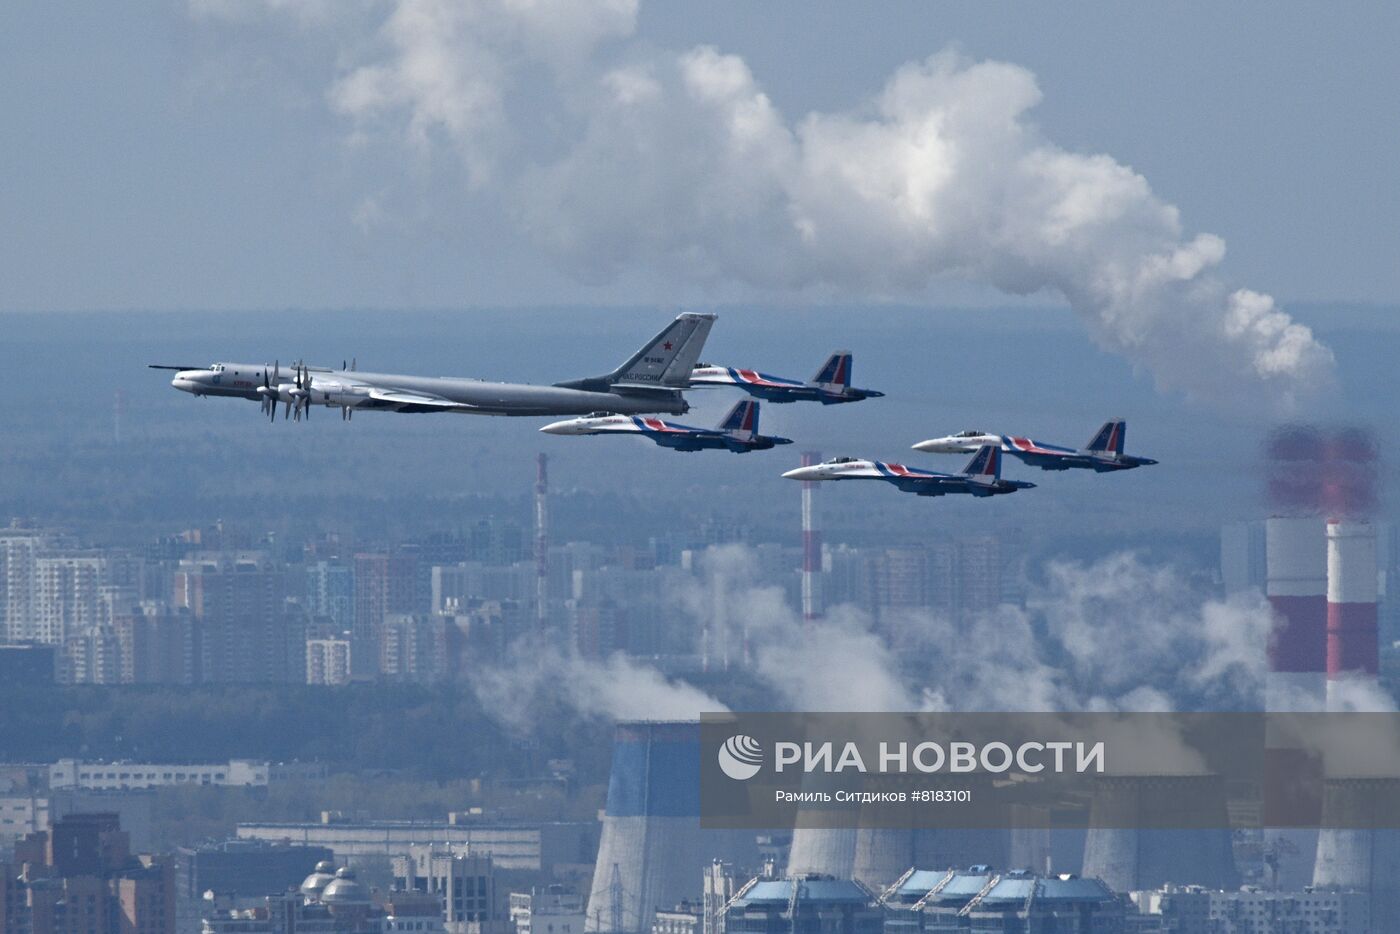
929,446
800,473
566,427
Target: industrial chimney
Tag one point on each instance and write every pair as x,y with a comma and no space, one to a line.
542,543
1353,641
1296,585
812,607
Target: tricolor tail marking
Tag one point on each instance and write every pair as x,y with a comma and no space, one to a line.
1109,438
836,371
742,419
986,463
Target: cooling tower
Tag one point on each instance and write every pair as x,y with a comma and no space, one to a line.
1144,833
1353,642
887,845
652,850
1357,858
828,851
1296,561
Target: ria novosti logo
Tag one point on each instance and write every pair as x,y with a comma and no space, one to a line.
740,757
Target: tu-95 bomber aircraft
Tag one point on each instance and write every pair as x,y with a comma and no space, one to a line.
736,432
981,476
831,385
1103,453
650,381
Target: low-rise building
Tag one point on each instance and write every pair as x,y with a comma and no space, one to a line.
465,884
685,918
1196,910
551,909
518,846
807,904
107,776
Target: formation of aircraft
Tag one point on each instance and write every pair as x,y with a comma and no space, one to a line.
737,431
831,385
652,382
1102,454
981,476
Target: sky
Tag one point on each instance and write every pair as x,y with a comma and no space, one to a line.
158,155
1163,169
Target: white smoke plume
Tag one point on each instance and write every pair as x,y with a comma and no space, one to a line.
1115,634
626,156
532,682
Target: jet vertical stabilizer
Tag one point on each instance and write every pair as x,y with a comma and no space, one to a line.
1110,438
742,420
835,374
985,466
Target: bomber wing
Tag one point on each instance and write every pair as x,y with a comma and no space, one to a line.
406,401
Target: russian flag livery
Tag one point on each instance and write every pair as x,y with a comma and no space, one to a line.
985,464
1109,438
742,420
736,432
981,478
1103,454
830,386
836,372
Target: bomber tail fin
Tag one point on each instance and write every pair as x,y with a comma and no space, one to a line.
835,374
985,466
666,361
1109,440
742,420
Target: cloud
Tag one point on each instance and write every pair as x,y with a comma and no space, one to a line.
613,155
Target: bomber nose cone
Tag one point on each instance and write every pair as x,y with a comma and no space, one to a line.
184,382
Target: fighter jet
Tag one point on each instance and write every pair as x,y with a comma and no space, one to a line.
831,385
981,477
1103,453
737,432
650,381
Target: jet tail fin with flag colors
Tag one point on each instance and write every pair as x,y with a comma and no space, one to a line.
1109,439
985,466
742,420
835,373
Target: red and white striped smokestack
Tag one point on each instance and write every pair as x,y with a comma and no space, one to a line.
1353,646
1296,585
542,542
811,546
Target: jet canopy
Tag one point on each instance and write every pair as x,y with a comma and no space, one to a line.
843,460
970,433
